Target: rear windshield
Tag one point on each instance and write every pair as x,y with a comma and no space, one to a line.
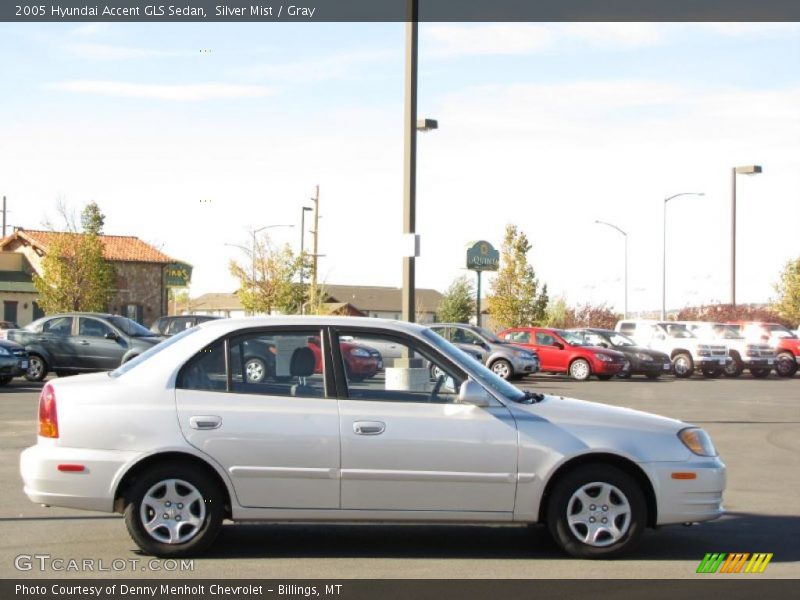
147,355
130,327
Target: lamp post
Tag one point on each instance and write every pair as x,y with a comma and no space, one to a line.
664,253
410,156
746,170
303,212
625,235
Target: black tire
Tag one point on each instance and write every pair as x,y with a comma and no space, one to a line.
502,368
786,365
759,373
735,367
604,377
682,365
591,477
200,537
580,369
653,376
713,373
5,380
37,368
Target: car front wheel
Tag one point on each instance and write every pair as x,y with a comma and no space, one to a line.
255,369
580,370
174,510
37,368
682,365
596,511
502,368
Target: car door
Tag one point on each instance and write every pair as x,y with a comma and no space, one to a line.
408,445
57,339
277,438
551,357
95,351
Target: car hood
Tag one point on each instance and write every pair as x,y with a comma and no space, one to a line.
607,351
148,341
577,425
642,350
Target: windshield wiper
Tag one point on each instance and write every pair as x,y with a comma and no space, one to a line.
529,397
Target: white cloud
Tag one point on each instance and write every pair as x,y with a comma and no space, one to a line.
752,29
96,51
622,35
176,92
89,29
318,69
448,41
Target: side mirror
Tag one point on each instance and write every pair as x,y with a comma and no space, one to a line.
111,336
471,392
558,345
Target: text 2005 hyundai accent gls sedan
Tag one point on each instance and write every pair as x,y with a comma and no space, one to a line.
180,439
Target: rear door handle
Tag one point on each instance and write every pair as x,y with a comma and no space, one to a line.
369,427
205,422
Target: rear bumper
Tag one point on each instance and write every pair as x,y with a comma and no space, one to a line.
91,489
688,500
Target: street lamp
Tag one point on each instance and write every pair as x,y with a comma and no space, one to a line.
598,222
746,170
664,253
410,156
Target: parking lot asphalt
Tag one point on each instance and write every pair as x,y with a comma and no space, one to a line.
755,425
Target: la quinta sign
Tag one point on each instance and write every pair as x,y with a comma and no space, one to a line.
482,256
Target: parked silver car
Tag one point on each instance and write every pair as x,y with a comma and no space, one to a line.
504,359
178,440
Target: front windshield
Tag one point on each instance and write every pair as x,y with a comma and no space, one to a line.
678,331
490,337
477,371
619,340
130,327
150,353
573,338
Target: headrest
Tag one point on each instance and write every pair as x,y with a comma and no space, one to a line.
302,363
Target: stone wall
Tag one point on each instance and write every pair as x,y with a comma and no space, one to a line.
140,284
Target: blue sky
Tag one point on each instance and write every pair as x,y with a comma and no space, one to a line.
549,126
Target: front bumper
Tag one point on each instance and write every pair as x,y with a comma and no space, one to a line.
711,362
91,489
524,366
752,362
608,368
688,500
653,367
13,366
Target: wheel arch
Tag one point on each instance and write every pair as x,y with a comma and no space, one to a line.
622,463
142,465
677,351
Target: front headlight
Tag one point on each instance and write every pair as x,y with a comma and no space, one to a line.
4,352
643,356
360,352
604,357
522,354
698,441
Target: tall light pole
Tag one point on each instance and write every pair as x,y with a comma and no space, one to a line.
303,212
410,157
625,235
747,170
664,253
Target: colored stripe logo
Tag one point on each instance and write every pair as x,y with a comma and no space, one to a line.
736,562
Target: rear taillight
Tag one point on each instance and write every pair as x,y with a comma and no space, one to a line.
48,419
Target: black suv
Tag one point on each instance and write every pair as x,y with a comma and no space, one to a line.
81,343
169,326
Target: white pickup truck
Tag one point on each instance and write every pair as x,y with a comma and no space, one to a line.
686,350
758,358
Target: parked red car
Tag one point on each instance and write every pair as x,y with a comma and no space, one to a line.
361,362
564,352
785,342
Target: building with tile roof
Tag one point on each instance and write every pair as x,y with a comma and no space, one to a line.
141,285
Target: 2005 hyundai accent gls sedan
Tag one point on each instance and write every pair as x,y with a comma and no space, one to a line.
179,439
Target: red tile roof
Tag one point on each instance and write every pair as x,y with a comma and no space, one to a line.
121,248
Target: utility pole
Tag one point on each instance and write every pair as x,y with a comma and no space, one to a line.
4,216
315,251
410,156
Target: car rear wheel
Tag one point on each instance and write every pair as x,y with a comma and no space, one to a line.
682,365
759,373
786,366
37,368
256,370
174,510
580,369
596,511
503,369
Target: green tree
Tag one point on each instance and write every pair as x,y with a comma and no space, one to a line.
458,302
559,315
268,283
75,276
517,299
788,288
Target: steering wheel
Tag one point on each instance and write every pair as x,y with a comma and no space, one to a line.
437,387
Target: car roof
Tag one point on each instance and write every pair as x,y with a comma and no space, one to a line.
313,320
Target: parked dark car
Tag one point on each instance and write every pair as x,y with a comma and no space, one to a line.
169,326
5,326
13,361
81,343
643,361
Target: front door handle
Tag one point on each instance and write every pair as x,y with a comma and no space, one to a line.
369,427
205,422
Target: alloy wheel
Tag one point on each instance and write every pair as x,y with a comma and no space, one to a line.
172,511
598,514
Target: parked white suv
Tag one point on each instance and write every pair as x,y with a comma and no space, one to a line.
685,349
758,358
